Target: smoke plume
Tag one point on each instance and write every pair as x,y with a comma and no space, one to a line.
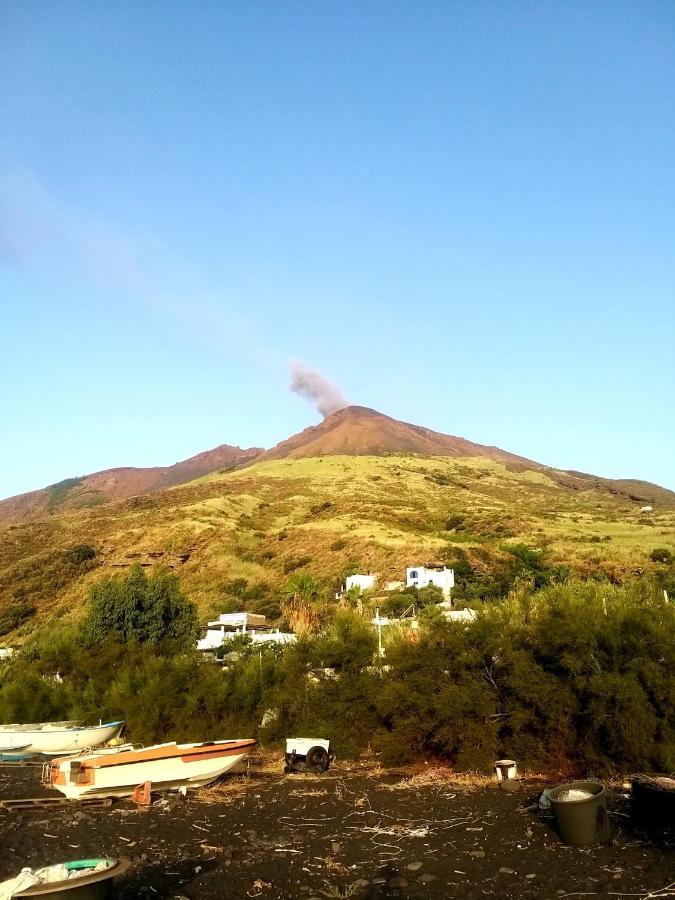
312,385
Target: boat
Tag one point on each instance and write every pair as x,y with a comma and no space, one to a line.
52,738
15,754
79,879
166,766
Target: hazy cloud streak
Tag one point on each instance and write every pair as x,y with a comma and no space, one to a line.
68,245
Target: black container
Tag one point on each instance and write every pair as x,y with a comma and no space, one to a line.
653,801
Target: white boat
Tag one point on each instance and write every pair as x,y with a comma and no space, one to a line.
165,766
56,737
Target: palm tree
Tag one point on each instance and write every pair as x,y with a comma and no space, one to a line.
301,604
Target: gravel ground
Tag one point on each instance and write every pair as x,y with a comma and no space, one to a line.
353,832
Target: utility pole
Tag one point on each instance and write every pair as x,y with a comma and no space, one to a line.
378,625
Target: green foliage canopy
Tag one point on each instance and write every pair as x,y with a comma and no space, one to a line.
141,608
576,676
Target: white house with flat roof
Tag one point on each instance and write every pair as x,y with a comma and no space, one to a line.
421,577
360,582
230,625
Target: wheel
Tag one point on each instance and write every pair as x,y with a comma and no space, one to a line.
317,759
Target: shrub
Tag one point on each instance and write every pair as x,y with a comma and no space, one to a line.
661,555
14,615
576,675
235,587
455,523
395,604
347,644
80,553
295,562
142,609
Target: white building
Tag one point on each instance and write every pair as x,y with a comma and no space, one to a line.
421,577
460,615
230,625
360,582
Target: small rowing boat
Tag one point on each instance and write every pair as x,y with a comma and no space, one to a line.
52,738
165,766
15,754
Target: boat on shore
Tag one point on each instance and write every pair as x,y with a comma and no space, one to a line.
165,766
15,754
53,738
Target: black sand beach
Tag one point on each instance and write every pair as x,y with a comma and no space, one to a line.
353,832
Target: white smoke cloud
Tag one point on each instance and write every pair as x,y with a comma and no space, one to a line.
312,385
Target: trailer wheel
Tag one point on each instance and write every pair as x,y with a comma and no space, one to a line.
317,759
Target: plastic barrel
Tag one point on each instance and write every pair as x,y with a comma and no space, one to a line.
652,801
581,823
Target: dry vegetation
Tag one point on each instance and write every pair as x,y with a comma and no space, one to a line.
329,515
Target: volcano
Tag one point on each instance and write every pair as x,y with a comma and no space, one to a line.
360,431
351,431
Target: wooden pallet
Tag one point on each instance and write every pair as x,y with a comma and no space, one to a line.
42,802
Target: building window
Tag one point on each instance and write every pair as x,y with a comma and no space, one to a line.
413,574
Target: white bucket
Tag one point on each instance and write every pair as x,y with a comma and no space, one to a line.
505,769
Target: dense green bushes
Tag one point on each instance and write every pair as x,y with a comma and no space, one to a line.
492,576
141,608
578,676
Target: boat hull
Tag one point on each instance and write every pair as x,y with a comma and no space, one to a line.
48,740
166,767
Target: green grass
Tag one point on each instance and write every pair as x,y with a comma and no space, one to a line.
59,492
389,512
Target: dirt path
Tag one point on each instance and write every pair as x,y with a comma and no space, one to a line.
349,833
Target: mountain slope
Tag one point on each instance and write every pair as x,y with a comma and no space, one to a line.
359,431
118,484
359,492
350,432
252,527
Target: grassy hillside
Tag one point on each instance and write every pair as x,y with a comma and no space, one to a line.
327,515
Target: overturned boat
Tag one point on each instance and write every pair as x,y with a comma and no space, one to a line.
164,766
53,738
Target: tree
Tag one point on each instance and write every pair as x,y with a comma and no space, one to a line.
142,609
348,644
301,604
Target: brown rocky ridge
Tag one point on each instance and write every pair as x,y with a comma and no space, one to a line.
352,431
119,484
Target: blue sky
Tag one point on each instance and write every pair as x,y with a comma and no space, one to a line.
463,213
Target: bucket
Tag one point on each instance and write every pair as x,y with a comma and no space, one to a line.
505,769
582,821
653,800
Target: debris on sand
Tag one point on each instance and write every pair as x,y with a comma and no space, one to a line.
342,834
